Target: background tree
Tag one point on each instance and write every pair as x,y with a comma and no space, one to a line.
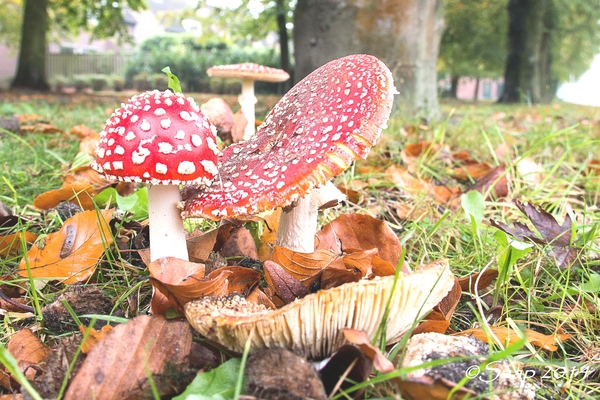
249,21
548,41
405,34
474,40
101,18
10,22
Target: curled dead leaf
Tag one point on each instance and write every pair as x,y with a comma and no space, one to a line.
508,336
72,253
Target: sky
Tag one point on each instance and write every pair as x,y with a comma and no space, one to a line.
586,90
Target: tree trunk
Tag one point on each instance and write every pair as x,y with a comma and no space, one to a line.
404,34
31,69
454,86
476,94
284,48
526,61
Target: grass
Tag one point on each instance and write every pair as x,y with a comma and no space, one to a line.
532,292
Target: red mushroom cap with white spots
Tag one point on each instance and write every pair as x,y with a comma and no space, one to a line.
158,138
325,122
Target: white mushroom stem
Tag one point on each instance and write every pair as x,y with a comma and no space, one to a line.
247,101
167,236
297,228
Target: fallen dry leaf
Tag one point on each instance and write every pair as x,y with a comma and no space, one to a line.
553,234
179,281
507,336
93,337
267,239
41,128
120,365
305,266
79,192
438,320
11,244
477,281
29,352
360,339
72,253
360,231
286,286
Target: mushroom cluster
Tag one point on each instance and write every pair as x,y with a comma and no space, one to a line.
318,128
163,139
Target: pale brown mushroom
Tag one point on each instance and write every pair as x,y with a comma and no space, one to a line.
248,73
312,326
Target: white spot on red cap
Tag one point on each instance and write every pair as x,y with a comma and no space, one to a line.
165,123
165,148
145,125
161,168
180,135
186,168
159,111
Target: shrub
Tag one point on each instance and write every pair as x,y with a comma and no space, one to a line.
99,82
117,82
160,81
59,83
81,82
141,82
189,58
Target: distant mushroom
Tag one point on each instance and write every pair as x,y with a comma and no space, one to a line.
160,138
325,122
248,73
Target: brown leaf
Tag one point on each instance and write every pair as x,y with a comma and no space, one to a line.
477,281
286,286
267,239
360,231
553,234
242,280
235,241
119,366
83,131
508,336
360,338
11,244
171,276
41,128
86,175
72,253
470,170
200,247
94,337
367,262
305,266
438,320
496,179
29,352
79,192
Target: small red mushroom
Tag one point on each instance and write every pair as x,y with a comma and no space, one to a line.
325,122
248,73
160,138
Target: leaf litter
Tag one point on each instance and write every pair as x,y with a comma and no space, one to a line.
344,246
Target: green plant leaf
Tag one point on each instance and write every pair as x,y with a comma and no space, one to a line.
474,205
173,84
592,285
136,203
216,384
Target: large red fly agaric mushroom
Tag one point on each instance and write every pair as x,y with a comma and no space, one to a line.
248,73
325,122
160,138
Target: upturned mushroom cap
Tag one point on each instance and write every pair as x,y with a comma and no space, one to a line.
249,71
159,138
325,122
312,326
